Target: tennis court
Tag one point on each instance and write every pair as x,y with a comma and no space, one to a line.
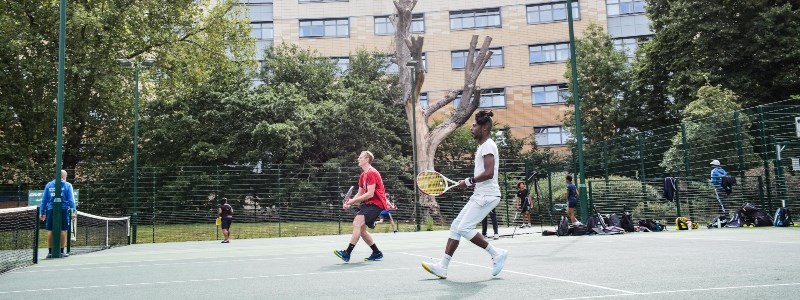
701,264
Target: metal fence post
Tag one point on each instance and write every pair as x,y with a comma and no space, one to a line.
780,180
739,146
685,166
764,150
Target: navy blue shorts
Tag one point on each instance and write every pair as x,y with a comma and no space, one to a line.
48,221
572,204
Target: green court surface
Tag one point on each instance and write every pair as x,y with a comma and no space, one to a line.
743,263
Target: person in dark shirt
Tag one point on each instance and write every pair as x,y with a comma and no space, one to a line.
572,201
524,204
225,211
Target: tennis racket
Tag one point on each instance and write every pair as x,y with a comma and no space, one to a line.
73,224
433,183
347,195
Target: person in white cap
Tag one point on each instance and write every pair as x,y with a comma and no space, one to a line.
717,173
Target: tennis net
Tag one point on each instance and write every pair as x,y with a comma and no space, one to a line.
18,237
95,233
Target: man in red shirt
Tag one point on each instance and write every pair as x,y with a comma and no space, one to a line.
373,196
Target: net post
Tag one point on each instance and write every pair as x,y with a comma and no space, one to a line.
107,234
36,236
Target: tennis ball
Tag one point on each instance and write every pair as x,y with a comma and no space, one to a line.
795,225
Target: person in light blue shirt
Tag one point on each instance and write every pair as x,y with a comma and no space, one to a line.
67,206
717,173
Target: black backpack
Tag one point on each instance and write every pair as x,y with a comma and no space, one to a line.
563,227
653,226
578,230
627,223
727,184
613,220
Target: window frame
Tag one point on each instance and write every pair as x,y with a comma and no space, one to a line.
561,91
427,101
576,8
464,58
457,100
475,15
564,135
555,53
324,27
618,4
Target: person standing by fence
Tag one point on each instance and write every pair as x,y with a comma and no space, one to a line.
717,174
225,212
46,211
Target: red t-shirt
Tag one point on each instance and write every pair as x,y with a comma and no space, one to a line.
370,177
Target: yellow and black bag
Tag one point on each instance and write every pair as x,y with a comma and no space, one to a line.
680,223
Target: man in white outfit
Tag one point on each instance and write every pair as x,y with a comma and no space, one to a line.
485,198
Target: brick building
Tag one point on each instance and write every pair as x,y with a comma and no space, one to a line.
523,82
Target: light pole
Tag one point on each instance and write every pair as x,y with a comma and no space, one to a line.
136,67
55,243
413,66
576,94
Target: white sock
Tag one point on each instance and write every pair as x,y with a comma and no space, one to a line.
445,261
492,250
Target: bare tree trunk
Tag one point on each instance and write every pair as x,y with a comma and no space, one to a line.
408,48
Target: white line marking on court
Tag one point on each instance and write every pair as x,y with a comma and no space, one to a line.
199,280
533,275
687,291
173,264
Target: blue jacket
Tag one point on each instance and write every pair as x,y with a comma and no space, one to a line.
716,177
67,196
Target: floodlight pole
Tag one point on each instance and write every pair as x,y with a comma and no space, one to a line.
413,65
137,66
55,243
576,95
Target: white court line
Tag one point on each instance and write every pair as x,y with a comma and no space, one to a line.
534,275
719,240
198,280
687,291
172,264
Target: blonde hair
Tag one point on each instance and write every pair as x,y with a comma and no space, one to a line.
369,154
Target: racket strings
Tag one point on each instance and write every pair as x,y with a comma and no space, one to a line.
431,183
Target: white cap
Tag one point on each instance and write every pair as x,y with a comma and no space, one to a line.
715,162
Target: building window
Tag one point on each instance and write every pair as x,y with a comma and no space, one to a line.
423,100
458,59
260,12
262,31
489,98
546,94
342,63
624,7
418,23
548,53
549,136
627,26
325,28
627,45
319,1
479,18
384,26
550,12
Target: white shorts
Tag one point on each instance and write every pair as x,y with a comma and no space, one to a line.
473,212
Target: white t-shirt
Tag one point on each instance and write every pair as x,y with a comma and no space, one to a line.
491,186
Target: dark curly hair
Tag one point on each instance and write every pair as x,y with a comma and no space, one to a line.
484,117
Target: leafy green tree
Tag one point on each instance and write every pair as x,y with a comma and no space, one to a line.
749,47
604,84
189,40
710,134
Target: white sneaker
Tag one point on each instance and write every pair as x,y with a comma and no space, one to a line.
577,223
529,225
496,236
435,269
499,261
